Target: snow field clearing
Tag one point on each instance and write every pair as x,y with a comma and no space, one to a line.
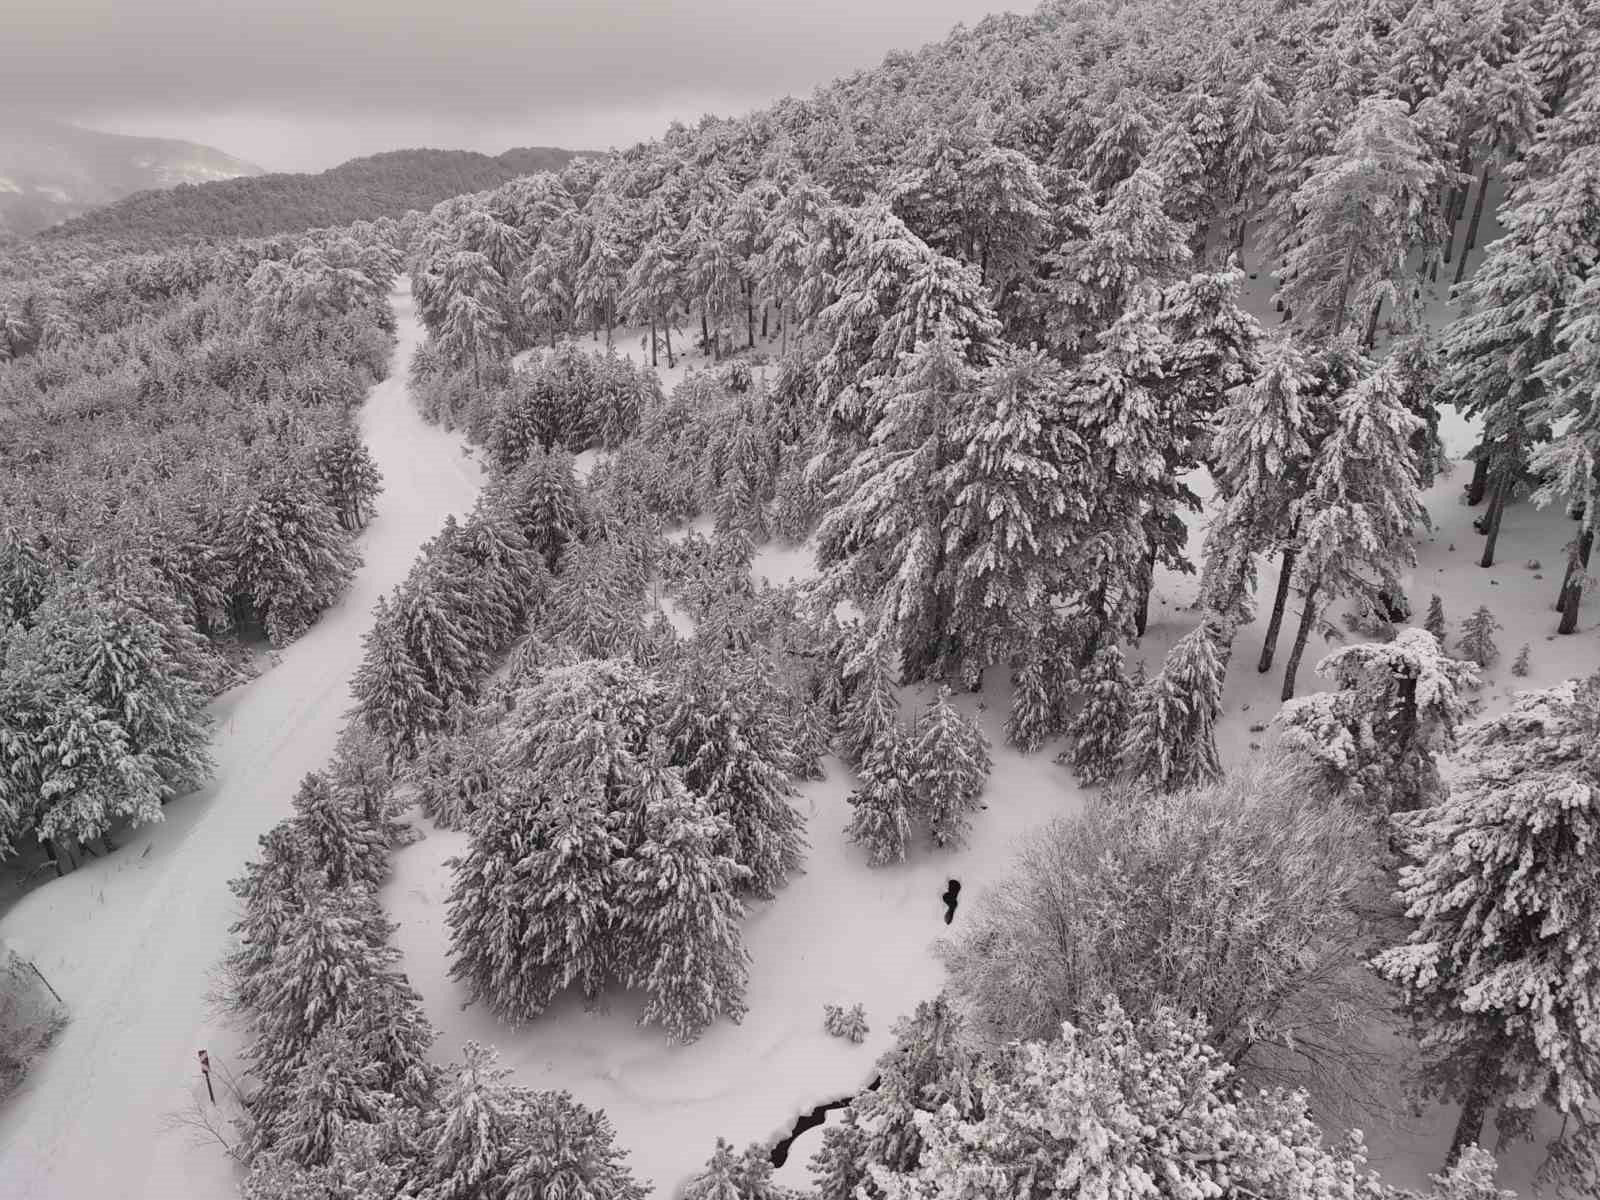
131,941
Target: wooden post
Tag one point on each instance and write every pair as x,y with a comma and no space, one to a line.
205,1069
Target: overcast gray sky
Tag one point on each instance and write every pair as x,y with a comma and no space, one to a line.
304,84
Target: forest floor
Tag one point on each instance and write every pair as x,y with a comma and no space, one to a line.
131,941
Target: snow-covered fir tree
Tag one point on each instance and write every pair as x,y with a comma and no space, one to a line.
872,712
393,699
350,479
1499,970
1476,642
1434,621
530,907
929,1069
885,802
1395,707
350,850
1520,665
950,760
848,1023
1170,742
730,1175
679,915
492,1140
1096,732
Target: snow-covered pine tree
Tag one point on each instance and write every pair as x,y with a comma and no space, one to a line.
594,605
437,611
929,1069
1031,720
886,799
1361,503
1520,665
872,712
1477,637
1505,890
1096,732
1260,449
1170,742
542,498
736,1176
350,479
813,731
392,695
530,908
1017,512
950,763
725,731
850,1024
1434,622
1396,705
1362,209
338,839
678,920
881,541
456,768
491,1140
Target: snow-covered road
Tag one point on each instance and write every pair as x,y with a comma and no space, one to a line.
131,941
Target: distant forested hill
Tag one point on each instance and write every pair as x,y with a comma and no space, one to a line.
381,185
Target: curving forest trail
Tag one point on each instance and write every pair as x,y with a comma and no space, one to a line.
131,941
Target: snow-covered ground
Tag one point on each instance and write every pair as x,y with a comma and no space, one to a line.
131,940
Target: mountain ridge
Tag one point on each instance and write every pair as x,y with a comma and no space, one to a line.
52,171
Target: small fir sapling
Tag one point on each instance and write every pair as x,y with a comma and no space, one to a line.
950,763
1520,666
1476,642
1095,733
885,800
1434,621
1031,718
848,1023
813,737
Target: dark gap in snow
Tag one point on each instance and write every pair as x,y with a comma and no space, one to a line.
952,895
810,1120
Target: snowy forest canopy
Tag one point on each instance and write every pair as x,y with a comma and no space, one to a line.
976,323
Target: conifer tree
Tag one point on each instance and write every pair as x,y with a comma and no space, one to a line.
491,1140
1499,970
1395,707
735,752
1096,732
1520,665
531,907
871,714
886,799
950,758
456,769
393,699
733,1176
350,479
349,850
929,1069
1170,742
679,920
1362,502
1434,622
1363,208
1477,637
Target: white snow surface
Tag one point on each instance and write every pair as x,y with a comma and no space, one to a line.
131,940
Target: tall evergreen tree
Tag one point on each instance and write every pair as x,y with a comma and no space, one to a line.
1499,970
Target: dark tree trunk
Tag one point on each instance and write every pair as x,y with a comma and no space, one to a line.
1472,228
55,858
1475,1105
1308,618
666,333
1275,624
1480,476
766,311
654,360
1372,324
705,331
1497,508
1477,209
1147,583
1572,585
749,320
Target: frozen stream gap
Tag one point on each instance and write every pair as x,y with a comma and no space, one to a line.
131,940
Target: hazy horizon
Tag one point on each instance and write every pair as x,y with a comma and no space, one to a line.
305,84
